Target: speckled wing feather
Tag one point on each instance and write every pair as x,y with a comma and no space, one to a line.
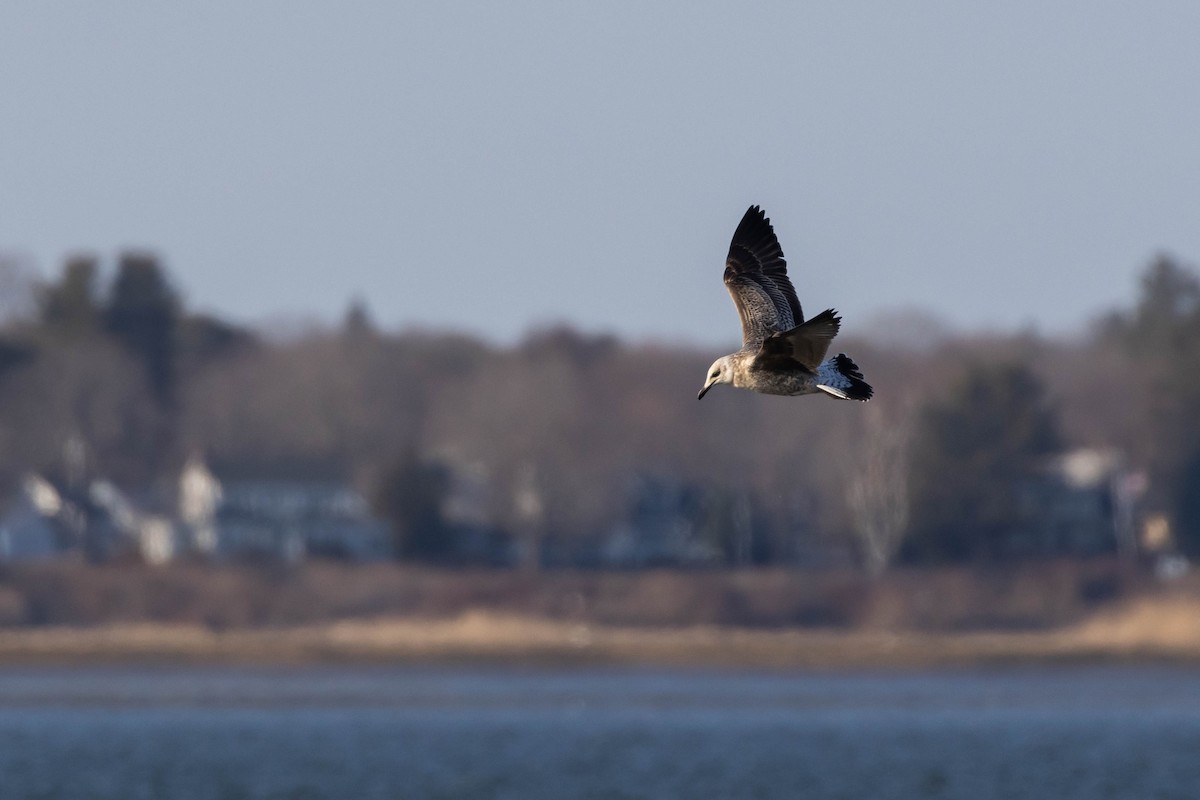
756,277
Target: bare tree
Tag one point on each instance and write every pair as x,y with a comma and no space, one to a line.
90,395
877,493
17,294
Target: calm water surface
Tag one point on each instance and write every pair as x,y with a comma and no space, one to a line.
209,733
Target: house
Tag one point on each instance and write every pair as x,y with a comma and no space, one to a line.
665,525
1084,502
288,520
274,519
199,498
156,538
30,528
95,520
467,510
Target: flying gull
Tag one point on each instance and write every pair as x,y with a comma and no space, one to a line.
781,353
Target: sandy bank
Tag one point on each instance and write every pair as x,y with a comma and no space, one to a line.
1158,629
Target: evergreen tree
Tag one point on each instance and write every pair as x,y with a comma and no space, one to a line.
1163,336
202,338
68,308
973,453
357,323
143,314
410,497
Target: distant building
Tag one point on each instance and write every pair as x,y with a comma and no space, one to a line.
155,538
664,525
281,520
48,519
199,499
29,527
1083,503
289,520
467,510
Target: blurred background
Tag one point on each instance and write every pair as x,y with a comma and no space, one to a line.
356,347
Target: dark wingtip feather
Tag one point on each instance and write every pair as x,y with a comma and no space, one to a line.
755,235
755,251
859,389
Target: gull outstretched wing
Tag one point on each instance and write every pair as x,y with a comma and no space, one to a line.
756,277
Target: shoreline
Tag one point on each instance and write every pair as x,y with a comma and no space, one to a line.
1162,630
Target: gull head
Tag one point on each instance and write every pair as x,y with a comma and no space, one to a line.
721,371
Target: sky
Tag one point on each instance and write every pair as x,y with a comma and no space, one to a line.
496,167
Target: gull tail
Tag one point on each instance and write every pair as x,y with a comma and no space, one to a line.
839,377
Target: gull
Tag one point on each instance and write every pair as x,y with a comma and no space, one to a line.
781,353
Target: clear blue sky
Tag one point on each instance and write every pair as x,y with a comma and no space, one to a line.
494,166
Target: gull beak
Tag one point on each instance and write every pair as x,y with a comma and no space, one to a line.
704,391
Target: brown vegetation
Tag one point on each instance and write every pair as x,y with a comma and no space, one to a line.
916,621
1017,597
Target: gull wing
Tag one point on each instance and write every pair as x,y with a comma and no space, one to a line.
806,344
756,277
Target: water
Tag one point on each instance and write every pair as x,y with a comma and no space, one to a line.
363,733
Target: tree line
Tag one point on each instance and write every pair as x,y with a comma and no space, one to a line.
109,372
